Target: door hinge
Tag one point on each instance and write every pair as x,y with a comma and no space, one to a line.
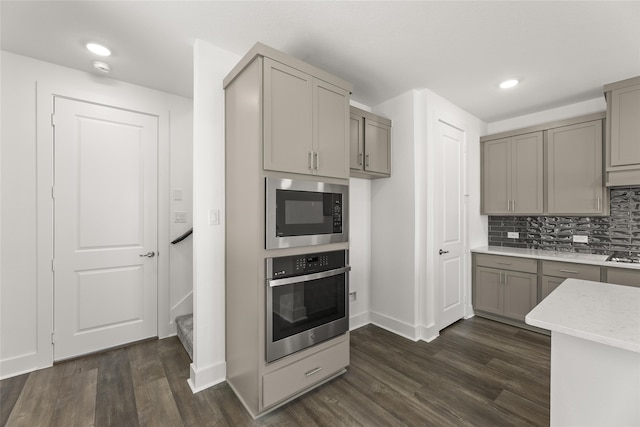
53,265
53,192
53,119
53,339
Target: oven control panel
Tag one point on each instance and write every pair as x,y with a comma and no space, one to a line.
296,265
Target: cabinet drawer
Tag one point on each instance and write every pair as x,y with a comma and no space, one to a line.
571,270
291,379
507,263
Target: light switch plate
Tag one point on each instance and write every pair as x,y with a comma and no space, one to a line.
580,239
214,217
513,235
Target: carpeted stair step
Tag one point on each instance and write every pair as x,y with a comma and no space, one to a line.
184,326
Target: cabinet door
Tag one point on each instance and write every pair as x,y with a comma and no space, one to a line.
287,118
377,147
625,126
356,142
496,175
623,276
527,172
549,284
488,292
574,159
330,130
520,294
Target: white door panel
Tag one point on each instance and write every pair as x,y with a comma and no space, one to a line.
450,214
105,219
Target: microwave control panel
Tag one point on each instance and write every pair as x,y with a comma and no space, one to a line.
337,213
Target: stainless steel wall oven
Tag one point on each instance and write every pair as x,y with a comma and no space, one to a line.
307,301
305,213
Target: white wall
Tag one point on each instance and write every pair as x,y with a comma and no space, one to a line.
359,251
26,303
393,225
403,253
211,65
566,112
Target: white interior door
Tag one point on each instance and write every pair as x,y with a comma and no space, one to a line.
450,224
105,232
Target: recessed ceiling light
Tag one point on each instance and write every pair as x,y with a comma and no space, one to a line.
103,67
508,83
98,49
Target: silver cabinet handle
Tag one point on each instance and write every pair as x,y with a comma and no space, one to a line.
569,271
316,160
313,276
311,160
366,160
440,252
360,159
503,263
313,371
150,254
513,206
597,203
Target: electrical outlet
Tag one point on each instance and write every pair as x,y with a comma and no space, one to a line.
580,239
513,235
179,216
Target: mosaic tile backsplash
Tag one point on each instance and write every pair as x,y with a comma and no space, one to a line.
618,232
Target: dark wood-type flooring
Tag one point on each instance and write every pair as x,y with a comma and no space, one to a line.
477,373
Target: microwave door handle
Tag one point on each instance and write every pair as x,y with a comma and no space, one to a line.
297,279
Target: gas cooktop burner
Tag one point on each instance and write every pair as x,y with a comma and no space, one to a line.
621,257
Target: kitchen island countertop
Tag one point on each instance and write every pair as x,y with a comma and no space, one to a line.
600,312
595,353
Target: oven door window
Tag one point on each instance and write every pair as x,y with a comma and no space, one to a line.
305,305
301,213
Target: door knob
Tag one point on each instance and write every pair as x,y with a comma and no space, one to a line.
442,252
150,254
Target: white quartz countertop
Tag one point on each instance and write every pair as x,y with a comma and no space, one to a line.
599,312
592,259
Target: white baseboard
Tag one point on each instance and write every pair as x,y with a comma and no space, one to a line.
396,326
428,333
359,320
206,377
18,365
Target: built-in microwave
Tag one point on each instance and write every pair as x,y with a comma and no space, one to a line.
305,213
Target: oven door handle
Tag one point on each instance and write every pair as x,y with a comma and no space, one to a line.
297,279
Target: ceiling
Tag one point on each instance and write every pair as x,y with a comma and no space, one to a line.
562,51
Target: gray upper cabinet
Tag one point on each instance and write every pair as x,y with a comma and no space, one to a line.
549,169
574,170
306,128
370,145
512,175
623,132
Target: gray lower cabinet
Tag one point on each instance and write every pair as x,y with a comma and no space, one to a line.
370,145
549,284
623,276
504,286
512,175
623,132
574,170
